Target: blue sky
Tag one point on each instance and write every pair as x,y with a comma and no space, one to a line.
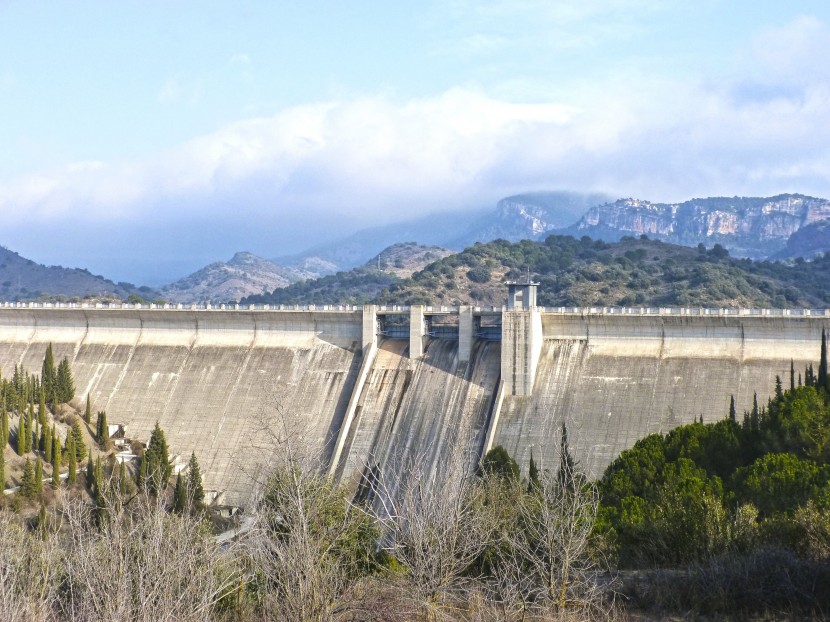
146,139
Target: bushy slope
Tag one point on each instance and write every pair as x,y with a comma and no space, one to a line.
583,272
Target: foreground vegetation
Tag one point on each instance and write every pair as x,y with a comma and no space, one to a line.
730,518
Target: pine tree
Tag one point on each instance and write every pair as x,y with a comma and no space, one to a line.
733,415
71,460
2,470
65,388
195,490
21,436
4,428
180,496
27,483
88,411
532,474
779,389
38,475
102,430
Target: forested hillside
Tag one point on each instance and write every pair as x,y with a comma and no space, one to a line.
632,272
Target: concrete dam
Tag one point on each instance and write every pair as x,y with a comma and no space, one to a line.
374,387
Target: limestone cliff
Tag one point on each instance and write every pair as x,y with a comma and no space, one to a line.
747,226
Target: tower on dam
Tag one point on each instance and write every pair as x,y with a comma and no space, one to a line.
379,385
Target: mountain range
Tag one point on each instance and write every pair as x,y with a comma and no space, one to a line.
780,227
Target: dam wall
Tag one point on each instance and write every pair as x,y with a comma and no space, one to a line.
614,378
214,380
360,399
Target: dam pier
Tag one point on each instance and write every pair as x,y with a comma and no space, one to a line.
374,386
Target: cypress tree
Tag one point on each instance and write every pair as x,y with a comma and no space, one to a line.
27,483
2,470
48,374
78,441
822,366
532,474
99,474
779,390
30,420
195,490
792,376
179,496
157,455
102,431
567,465
71,460
41,407
88,411
21,436
733,415
57,458
141,475
122,478
90,474
47,443
4,428
38,475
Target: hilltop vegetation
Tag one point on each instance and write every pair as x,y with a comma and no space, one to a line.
585,272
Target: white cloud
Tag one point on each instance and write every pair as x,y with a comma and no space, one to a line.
377,158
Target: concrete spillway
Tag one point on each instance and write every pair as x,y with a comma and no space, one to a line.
420,410
213,379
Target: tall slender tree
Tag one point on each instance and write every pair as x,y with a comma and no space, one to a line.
71,460
792,375
88,411
27,482
48,373
102,429
567,464
195,490
733,415
38,475
2,470
57,458
21,435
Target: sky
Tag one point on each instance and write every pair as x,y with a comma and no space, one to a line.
143,140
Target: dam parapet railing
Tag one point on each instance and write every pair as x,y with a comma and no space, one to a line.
405,309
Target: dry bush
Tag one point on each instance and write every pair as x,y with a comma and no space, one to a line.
143,563
432,527
29,574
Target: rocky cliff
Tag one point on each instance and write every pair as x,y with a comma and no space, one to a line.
747,226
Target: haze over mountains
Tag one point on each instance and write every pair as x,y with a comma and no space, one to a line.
780,227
